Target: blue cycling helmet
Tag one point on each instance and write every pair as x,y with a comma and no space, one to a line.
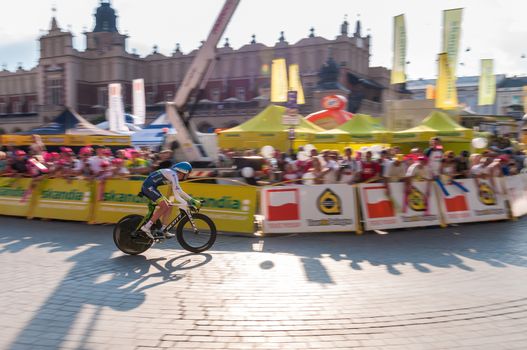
182,167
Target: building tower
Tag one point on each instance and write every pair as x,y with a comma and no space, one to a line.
105,35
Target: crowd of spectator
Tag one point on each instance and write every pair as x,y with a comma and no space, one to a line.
308,166
387,165
89,162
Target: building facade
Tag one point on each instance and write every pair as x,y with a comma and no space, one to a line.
467,92
237,88
510,97
509,94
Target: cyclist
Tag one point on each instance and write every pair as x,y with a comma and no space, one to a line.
178,172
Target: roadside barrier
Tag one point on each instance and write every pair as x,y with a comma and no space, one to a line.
285,209
12,191
398,209
232,207
62,199
309,208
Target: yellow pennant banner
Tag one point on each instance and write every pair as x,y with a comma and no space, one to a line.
446,94
487,83
451,36
279,80
295,84
399,50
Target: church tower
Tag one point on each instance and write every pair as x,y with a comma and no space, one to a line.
105,35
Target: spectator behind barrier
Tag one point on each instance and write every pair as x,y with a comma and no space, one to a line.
370,169
349,168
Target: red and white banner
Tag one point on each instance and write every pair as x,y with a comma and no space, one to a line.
482,202
516,187
414,209
315,208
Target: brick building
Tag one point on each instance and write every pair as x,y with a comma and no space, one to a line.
237,88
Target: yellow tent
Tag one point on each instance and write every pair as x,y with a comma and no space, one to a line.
360,129
453,136
436,124
266,128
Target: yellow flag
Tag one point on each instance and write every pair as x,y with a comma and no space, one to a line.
487,84
295,84
446,94
525,99
451,36
279,80
399,50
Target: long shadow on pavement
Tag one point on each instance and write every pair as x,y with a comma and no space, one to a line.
124,281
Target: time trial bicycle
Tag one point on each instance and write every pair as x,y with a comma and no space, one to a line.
194,231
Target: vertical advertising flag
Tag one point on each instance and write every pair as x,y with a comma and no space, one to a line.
399,50
430,92
139,109
116,108
451,36
525,99
446,94
487,84
295,84
279,80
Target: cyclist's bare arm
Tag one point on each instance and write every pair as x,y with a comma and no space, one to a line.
180,195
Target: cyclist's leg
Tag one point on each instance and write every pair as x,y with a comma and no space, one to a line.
152,193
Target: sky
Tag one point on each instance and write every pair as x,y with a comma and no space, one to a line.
494,29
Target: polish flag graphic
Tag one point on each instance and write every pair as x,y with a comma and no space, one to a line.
456,203
283,205
377,205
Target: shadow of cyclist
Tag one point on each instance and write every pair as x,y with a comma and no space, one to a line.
90,286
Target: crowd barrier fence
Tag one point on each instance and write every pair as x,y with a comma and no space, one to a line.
285,209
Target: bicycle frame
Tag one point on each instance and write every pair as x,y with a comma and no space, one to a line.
182,213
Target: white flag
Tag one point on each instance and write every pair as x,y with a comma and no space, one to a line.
116,110
139,109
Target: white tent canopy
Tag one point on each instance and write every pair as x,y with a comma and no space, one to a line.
154,134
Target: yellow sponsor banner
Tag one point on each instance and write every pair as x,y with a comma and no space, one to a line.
67,140
446,94
113,140
232,208
115,199
451,36
487,83
279,80
399,50
16,140
295,84
62,199
12,192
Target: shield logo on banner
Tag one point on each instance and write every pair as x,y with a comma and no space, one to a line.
416,200
486,194
329,203
283,205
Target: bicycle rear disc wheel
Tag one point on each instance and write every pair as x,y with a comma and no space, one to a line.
125,237
199,241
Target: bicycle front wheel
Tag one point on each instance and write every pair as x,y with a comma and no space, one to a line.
200,240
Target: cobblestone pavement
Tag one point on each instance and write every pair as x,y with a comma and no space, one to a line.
65,285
